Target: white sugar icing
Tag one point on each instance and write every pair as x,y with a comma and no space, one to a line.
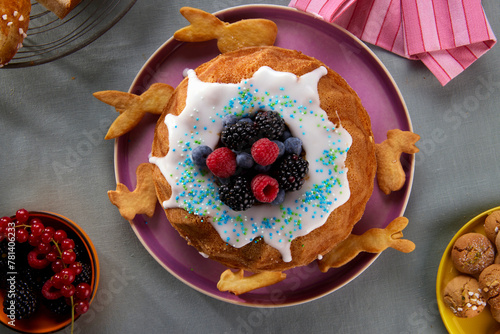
200,123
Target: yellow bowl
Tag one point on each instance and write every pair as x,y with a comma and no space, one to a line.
482,323
44,321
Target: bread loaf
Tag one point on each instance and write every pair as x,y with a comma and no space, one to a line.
14,20
59,7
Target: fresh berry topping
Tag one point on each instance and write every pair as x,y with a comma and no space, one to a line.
200,155
222,162
239,136
244,160
265,152
269,124
281,147
291,172
229,120
37,260
264,188
237,194
286,134
245,120
24,300
22,216
293,145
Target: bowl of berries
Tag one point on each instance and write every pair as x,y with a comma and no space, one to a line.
49,271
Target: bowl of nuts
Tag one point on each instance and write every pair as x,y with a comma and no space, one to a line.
49,271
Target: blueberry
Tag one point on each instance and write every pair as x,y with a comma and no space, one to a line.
293,145
245,120
281,147
229,120
200,155
244,160
286,134
279,198
262,169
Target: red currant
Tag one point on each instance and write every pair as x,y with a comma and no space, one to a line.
37,227
68,275
43,247
77,267
68,290
81,306
22,216
4,223
33,240
67,244
58,280
22,235
57,265
83,291
60,235
37,260
68,256
46,237
52,256
49,229
49,291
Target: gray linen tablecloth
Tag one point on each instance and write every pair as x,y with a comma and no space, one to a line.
53,157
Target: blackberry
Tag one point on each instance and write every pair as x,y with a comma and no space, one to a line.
237,194
22,299
269,124
57,306
85,276
36,278
291,172
239,136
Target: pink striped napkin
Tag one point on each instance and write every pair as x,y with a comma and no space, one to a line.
446,35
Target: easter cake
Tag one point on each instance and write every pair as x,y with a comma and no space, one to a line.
240,227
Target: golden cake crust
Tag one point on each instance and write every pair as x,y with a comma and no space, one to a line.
338,100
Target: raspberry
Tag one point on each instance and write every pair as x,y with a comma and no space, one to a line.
265,188
222,162
291,172
269,124
237,194
265,152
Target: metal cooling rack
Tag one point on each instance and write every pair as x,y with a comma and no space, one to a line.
50,38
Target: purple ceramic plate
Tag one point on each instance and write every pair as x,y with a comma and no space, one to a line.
342,52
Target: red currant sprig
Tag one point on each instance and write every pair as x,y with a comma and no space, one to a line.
51,247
